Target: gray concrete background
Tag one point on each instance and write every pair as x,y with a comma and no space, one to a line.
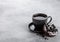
15,15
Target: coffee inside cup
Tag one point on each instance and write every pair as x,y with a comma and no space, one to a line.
39,18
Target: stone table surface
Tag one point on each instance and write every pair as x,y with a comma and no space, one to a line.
15,15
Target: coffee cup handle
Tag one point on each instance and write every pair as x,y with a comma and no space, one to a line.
30,26
49,20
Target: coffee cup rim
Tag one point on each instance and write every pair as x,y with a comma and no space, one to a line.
39,14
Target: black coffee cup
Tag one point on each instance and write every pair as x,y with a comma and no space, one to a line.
39,20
